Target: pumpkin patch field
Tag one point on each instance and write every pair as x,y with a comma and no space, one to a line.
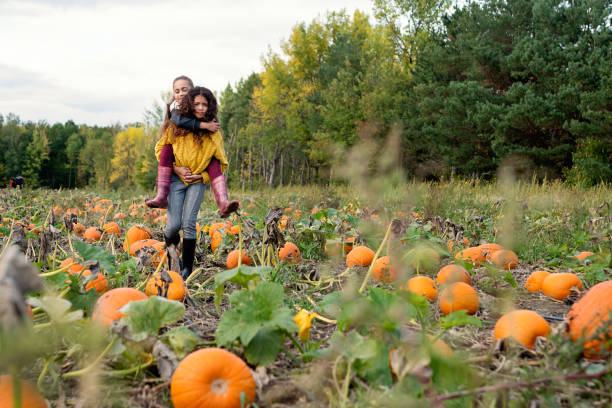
446,294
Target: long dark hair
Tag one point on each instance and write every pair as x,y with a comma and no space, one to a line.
186,108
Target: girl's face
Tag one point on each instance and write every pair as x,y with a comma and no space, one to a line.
200,106
180,89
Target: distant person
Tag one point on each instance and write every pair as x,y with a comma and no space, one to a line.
180,87
16,182
193,151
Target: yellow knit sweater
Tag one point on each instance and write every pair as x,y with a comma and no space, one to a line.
188,153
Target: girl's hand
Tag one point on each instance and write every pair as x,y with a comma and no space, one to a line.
182,172
193,177
212,126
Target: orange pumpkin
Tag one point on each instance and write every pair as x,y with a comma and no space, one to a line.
232,259
217,239
112,228
589,315
143,243
383,270
423,285
473,255
92,234
360,256
99,283
119,216
559,285
78,229
135,234
106,309
453,273
211,378
523,326
290,253
76,268
504,259
217,226
174,290
30,398
349,243
459,296
488,249
534,281
583,255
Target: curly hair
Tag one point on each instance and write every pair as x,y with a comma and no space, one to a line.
187,109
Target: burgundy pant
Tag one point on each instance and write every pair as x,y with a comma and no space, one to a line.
166,158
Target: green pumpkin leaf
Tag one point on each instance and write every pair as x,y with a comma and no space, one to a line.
264,347
145,317
459,318
240,275
182,340
93,252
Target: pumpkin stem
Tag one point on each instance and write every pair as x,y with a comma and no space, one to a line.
382,244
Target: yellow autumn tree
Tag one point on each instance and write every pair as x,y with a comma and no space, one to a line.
128,150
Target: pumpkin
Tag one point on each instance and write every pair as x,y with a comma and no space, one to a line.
583,255
119,216
290,253
30,398
217,226
360,256
534,281
175,290
106,309
504,259
560,285
76,268
589,315
423,259
440,347
78,229
383,270
349,243
282,223
232,259
488,249
217,239
143,243
211,378
112,228
459,296
135,234
473,255
523,326
99,283
453,273
234,230
92,234
423,285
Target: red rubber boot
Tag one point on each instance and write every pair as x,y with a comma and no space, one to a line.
220,190
164,175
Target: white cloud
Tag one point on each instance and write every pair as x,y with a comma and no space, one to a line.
98,62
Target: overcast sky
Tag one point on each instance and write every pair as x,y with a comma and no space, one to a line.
99,62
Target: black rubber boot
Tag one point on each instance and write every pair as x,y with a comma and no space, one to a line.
188,255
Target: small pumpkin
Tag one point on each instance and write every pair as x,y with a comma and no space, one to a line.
217,239
99,283
111,228
458,296
106,309
349,243
134,234
290,253
473,255
211,378
423,285
78,229
523,326
534,281
453,273
217,226
92,234
504,259
173,290
588,316
360,256
383,270
232,259
76,268
30,398
560,285
583,255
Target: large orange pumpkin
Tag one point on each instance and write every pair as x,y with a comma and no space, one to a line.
423,285
174,290
92,234
30,398
290,253
473,255
534,281
107,307
589,315
458,296
112,228
559,285
453,273
135,234
232,259
360,256
523,326
211,378
504,258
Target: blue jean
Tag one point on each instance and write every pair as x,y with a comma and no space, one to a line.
183,206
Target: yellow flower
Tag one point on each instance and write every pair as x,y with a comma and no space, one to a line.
303,319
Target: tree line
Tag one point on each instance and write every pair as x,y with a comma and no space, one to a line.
467,89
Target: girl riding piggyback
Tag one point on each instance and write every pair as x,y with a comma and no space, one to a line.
166,167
